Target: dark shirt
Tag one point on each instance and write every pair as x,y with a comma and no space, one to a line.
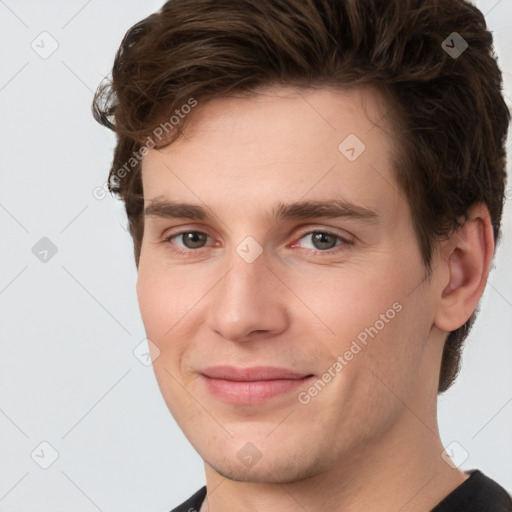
476,494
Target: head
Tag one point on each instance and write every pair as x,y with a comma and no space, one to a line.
259,115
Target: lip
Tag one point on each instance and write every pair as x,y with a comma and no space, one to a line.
250,386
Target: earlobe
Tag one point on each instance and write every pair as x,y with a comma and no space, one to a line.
468,258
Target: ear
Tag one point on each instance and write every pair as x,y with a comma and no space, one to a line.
466,257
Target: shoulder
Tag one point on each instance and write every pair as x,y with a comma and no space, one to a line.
476,494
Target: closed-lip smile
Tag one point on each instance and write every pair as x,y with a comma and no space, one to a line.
251,385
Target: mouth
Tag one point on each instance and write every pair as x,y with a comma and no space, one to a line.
251,386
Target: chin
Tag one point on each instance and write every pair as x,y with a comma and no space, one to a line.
267,471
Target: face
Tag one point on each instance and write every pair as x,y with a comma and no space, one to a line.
280,282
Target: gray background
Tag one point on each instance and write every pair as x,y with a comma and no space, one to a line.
68,375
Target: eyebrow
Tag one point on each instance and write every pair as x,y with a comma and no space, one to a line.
335,208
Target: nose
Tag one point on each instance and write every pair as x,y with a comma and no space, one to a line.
248,303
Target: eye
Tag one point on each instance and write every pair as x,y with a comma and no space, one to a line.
323,240
189,239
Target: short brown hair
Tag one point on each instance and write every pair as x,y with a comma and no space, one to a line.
448,110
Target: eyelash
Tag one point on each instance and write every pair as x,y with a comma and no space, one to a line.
326,252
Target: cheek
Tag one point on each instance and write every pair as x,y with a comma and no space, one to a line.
350,304
376,323
165,306
161,308
154,304
172,311
397,350
165,297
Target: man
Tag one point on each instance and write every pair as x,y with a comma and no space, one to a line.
314,189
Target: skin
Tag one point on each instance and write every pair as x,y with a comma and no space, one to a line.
369,439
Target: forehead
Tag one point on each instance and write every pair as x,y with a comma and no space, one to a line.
320,111
283,141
